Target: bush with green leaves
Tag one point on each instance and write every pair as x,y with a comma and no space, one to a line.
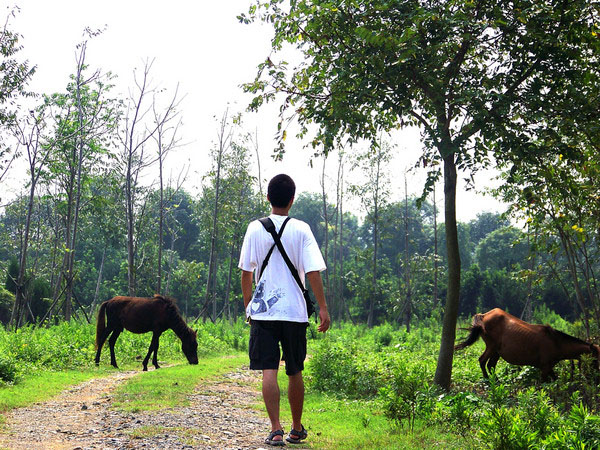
405,394
9,372
71,344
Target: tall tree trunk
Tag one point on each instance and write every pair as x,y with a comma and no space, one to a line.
326,234
161,214
573,271
335,294
435,253
98,282
224,139
130,229
18,308
370,317
443,372
408,303
167,287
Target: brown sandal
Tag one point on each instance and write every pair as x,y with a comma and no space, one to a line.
276,442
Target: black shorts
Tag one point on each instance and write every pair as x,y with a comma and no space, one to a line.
265,337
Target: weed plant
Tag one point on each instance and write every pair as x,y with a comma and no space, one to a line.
512,410
71,345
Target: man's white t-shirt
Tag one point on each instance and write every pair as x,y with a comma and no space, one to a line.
277,295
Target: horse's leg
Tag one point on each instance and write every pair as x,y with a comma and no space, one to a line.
485,356
101,342
548,372
153,346
155,359
491,364
111,342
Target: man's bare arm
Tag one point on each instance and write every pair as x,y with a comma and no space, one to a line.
246,287
316,283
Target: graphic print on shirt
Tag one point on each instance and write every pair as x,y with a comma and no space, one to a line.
259,305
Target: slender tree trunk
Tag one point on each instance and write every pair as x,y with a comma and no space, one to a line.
20,281
573,270
229,274
435,253
443,373
98,282
326,235
224,138
167,287
336,306
130,230
341,254
370,317
407,274
161,215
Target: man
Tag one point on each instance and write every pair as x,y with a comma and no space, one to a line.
277,310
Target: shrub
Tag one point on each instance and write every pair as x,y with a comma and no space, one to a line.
9,372
405,393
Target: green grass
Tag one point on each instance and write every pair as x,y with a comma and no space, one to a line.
334,423
170,386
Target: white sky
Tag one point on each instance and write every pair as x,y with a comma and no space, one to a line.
202,46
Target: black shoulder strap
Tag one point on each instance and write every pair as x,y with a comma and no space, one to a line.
270,227
277,238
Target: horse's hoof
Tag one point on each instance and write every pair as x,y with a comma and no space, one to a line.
145,369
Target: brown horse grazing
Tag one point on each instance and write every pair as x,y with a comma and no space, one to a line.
522,343
141,315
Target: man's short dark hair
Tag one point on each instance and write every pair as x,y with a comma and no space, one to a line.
281,190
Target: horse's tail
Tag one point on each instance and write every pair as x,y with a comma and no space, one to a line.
475,331
101,324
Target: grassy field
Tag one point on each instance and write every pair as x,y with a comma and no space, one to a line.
365,388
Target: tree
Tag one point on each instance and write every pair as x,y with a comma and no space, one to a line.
167,139
504,248
136,132
14,76
225,134
452,68
84,119
28,133
373,194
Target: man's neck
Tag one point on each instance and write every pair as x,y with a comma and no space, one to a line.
280,211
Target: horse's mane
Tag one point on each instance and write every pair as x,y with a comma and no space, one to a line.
180,327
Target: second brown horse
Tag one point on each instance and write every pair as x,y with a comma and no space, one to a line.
522,343
141,315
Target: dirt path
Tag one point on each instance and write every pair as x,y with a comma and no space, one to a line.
219,417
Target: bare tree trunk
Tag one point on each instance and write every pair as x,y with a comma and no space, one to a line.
98,282
326,237
335,292
30,140
134,159
341,253
370,317
161,214
167,287
408,301
573,270
435,252
224,137
443,372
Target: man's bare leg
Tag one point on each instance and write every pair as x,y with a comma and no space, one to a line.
270,391
296,398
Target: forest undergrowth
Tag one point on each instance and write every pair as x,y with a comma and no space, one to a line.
369,385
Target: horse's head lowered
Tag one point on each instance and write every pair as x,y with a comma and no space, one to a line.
189,346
